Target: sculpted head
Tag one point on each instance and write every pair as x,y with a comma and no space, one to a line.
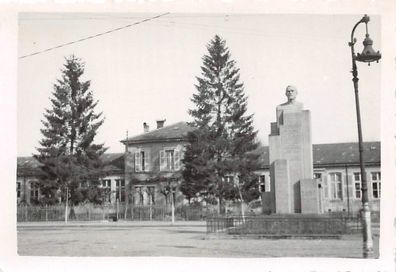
291,93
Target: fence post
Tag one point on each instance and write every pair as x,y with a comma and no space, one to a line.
46,212
26,213
117,207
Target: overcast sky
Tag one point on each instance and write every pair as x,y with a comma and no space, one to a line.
147,72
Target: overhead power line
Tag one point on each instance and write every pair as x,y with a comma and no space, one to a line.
94,36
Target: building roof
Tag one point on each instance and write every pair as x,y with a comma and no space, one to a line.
346,153
174,132
337,154
28,162
29,166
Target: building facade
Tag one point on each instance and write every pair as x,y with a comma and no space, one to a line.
153,163
336,167
149,171
28,178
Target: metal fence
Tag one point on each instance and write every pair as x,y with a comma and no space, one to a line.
112,212
40,213
283,225
57,213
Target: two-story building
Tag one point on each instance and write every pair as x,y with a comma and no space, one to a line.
153,162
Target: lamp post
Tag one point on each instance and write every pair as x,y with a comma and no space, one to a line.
368,55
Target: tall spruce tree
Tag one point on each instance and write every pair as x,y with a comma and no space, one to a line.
67,153
219,161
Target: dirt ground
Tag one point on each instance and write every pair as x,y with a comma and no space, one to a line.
185,239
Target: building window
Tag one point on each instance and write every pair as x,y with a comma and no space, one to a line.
336,185
375,175
140,195
318,176
106,183
106,190
34,191
151,194
142,160
324,184
170,160
358,185
229,179
120,190
264,184
18,189
376,184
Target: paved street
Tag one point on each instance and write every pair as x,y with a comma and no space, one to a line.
185,239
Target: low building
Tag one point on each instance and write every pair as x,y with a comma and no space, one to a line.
336,167
28,174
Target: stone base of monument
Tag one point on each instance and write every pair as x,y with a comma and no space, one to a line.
309,196
307,189
282,189
268,202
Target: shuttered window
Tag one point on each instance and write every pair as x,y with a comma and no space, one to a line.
138,161
170,160
162,161
142,160
177,160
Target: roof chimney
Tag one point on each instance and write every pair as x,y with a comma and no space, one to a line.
146,127
160,123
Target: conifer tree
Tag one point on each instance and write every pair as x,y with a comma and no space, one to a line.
219,161
67,153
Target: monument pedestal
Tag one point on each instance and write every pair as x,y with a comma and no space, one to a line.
309,196
290,154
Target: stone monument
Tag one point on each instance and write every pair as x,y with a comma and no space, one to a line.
293,189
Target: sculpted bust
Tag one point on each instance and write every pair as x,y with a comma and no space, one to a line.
291,104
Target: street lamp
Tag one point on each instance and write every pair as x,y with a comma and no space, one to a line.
368,55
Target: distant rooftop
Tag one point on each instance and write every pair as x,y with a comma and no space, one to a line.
346,153
337,154
29,166
174,132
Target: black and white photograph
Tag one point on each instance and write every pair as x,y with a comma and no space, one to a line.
214,135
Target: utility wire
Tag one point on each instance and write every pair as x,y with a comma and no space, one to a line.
242,31
93,36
